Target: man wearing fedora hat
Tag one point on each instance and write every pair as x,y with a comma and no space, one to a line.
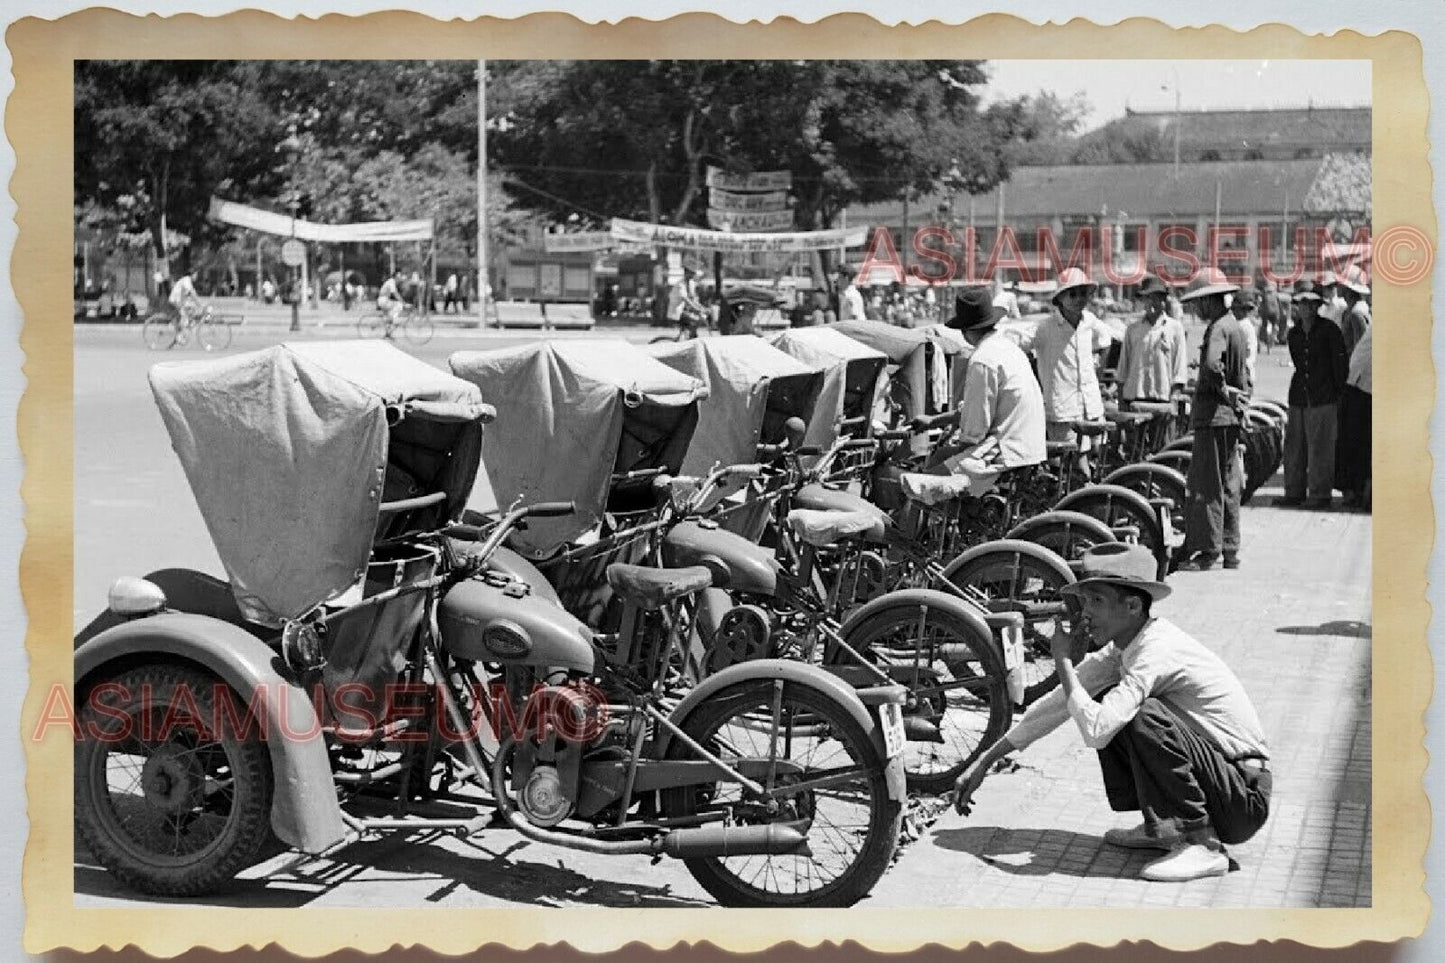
1001,411
1178,739
1153,360
1321,369
1216,470
1064,345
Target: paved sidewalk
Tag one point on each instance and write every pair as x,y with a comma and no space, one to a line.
1294,623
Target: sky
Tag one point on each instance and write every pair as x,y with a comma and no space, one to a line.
1149,84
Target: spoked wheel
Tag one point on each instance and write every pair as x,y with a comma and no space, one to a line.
1120,508
1153,480
214,335
955,678
831,785
418,329
159,332
1067,534
370,326
167,806
1010,576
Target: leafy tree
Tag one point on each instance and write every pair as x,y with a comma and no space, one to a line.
155,139
634,139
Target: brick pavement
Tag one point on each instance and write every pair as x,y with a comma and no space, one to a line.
1294,623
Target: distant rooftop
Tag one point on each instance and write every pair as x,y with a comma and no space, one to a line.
1228,132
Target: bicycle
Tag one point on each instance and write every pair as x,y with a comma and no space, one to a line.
164,331
415,328
687,328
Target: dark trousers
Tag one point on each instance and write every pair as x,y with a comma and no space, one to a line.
1161,767
1216,479
1309,451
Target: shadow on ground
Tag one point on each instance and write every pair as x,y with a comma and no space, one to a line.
1046,852
485,871
1346,629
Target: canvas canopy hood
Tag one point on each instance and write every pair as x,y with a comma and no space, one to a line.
753,389
290,451
851,381
569,415
918,373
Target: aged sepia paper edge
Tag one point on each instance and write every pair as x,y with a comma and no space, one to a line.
38,123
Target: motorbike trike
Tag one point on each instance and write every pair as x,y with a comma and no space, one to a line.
364,668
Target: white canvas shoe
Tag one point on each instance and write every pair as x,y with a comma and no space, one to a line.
1164,837
1188,861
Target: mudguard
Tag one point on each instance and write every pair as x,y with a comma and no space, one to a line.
304,810
913,598
1117,493
789,671
1025,529
1047,556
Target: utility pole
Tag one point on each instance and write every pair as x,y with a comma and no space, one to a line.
1178,120
482,190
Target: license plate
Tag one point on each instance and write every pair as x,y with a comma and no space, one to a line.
1013,647
892,717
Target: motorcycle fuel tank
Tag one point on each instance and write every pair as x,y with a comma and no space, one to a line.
489,620
737,564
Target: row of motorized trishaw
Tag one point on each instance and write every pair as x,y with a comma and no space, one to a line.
723,610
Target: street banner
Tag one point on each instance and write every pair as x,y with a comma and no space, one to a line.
750,223
282,225
756,181
578,241
697,239
732,201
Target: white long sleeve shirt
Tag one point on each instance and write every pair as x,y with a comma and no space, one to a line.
1163,662
1066,364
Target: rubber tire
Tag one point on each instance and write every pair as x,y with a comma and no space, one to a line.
159,332
1174,458
993,692
214,335
1154,480
418,329
885,818
1061,532
1138,510
370,326
1036,653
248,827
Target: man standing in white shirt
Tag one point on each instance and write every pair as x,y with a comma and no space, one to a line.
1178,739
1064,346
850,299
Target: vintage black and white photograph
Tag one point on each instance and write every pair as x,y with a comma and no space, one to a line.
723,483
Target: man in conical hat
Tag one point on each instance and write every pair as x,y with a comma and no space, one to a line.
1216,470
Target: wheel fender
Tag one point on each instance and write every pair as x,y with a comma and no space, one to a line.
1117,492
913,598
304,810
788,671
1046,556
1146,468
1028,526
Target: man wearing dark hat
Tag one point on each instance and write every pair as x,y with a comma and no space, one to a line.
1178,739
1154,360
1001,413
1216,470
1321,368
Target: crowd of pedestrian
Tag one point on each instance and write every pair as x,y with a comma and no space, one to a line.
1179,741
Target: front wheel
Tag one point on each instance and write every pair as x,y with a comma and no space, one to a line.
834,787
956,682
159,332
418,329
214,335
162,801
1013,576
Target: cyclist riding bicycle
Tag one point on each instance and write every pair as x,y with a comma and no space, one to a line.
683,306
184,301
390,301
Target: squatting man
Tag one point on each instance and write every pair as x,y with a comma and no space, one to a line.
1178,739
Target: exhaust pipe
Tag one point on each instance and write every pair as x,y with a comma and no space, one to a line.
774,839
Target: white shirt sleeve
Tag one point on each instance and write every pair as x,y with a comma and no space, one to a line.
1099,722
